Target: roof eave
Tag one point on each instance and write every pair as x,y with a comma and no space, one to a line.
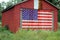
14,5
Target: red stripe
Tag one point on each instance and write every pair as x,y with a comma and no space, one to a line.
44,16
36,25
36,22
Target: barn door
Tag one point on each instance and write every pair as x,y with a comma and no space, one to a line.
34,19
46,19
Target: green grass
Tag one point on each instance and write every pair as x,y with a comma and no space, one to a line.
29,35
37,35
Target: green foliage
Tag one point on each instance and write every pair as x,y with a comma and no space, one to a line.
36,35
29,35
0,17
59,16
5,34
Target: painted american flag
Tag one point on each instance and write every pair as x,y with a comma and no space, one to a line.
32,18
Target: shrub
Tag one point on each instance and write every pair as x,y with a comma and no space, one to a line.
5,34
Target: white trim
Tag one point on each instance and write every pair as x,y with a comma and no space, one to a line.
53,22
20,19
35,4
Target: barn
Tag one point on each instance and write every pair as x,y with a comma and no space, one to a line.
31,14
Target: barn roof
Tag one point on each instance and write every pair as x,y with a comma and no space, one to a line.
11,6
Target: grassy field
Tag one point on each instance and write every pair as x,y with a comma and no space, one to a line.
29,35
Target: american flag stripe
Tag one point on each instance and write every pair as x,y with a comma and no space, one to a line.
44,16
36,24
45,19
45,12
36,21
37,27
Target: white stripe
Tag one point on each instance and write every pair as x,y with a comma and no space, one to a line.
46,12
45,15
36,21
44,21
35,4
44,18
36,26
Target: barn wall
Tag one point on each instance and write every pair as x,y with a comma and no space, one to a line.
56,20
28,4
7,19
16,17
46,6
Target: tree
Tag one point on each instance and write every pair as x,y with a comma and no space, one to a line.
53,1
0,11
50,0
0,7
3,4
